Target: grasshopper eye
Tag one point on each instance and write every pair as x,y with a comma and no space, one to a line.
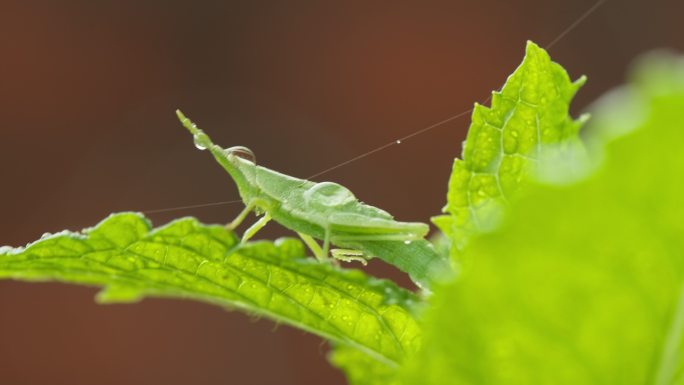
327,195
241,152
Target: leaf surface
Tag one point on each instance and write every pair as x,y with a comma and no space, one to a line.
504,143
583,283
186,259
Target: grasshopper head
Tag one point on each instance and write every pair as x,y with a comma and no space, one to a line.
238,161
243,160
241,164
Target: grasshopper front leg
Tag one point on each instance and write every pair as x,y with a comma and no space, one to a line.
241,217
258,225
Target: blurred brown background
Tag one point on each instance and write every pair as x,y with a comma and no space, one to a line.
87,94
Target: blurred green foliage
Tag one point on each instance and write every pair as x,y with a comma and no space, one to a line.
582,283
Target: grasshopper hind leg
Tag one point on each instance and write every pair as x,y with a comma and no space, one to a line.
320,253
313,245
346,255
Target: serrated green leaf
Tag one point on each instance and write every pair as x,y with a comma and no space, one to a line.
504,143
186,259
582,284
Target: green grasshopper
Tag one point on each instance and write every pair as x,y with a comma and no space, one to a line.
326,211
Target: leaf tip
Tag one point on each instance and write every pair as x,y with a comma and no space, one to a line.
118,294
581,81
530,45
583,118
532,48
